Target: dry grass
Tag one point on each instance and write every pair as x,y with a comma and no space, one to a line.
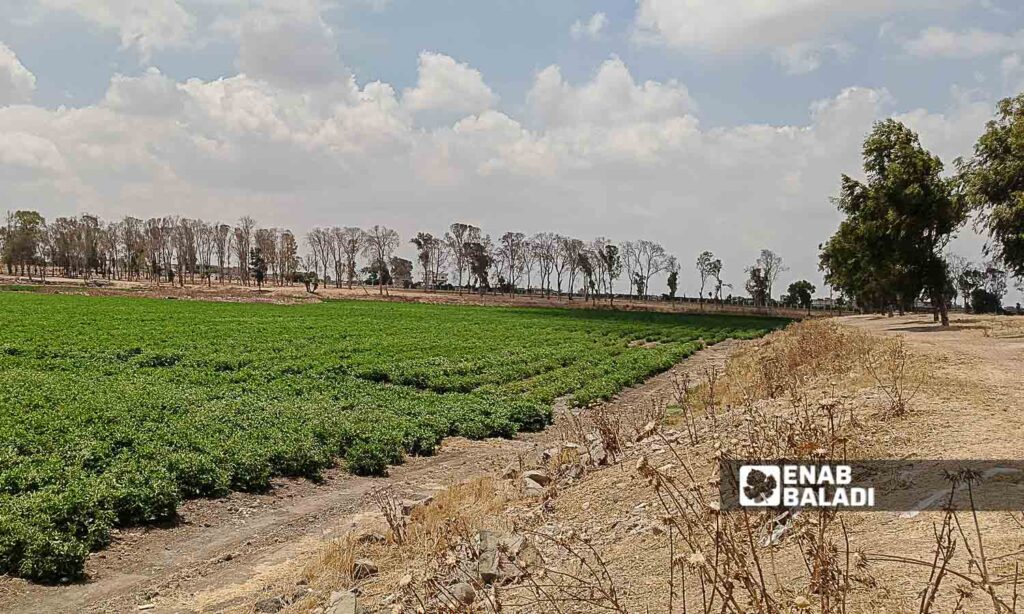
791,361
817,390
419,562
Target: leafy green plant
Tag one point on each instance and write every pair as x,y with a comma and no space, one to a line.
113,410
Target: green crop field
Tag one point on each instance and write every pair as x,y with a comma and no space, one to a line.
112,410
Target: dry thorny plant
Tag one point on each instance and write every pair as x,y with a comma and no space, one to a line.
977,575
729,560
732,562
895,374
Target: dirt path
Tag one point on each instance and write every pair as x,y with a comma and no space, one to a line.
222,552
971,404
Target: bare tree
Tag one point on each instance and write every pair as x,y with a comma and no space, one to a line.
381,243
650,258
223,248
433,257
705,262
457,237
353,242
319,241
288,257
512,257
771,264
545,249
243,244
571,251
206,246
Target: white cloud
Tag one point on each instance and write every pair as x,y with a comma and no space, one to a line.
289,43
148,94
942,43
144,25
16,82
592,28
804,57
447,85
727,25
611,97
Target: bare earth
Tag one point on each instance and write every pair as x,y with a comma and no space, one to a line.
223,555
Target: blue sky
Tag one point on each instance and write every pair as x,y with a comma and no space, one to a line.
694,123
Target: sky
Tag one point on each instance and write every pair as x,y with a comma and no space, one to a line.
719,125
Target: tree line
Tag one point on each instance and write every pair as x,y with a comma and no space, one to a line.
889,251
177,250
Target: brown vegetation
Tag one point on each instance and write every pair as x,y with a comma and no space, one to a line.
819,389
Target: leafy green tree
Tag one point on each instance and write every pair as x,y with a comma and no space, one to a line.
757,286
888,249
640,283
983,301
257,266
609,256
401,271
479,259
994,182
800,293
22,240
673,284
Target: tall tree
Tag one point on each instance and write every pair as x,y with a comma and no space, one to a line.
23,240
612,264
897,223
381,243
800,294
458,236
479,260
353,243
771,264
994,182
705,262
257,266
512,257
242,244
757,286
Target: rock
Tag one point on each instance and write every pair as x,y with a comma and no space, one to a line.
343,602
512,544
574,472
598,454
464,593
488,562
371,537
541,478
363,568
410,504
270,605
